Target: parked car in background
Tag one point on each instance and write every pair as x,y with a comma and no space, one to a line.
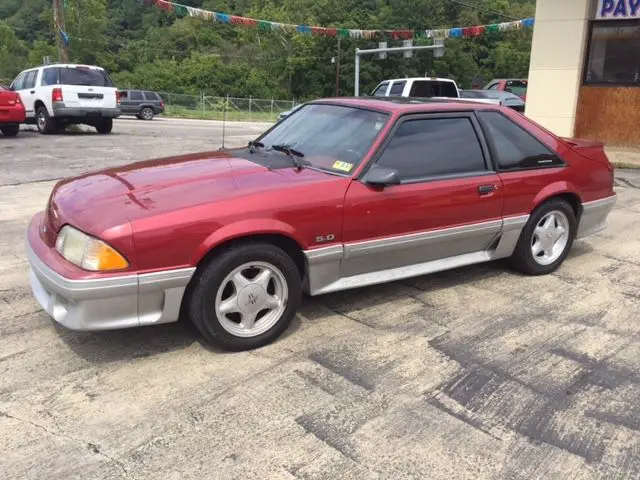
141,103
337,196
517,86
58,95
423,87
506,99
12,112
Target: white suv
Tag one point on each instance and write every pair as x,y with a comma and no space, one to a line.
58,95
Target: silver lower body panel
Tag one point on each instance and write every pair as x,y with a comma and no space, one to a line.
326,266
594,216
110,303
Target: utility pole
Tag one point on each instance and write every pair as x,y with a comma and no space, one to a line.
338,69
58,18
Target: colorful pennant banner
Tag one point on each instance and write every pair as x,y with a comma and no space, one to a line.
265,25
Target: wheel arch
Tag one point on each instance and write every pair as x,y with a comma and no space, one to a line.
562,190
39,103
270,231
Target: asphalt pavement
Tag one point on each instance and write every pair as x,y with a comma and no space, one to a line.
475,373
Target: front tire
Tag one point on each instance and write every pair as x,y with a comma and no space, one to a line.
10,130
105,126
546,239
246,297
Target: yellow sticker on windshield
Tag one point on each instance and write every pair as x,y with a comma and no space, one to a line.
344,166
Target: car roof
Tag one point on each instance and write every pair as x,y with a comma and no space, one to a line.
433,79
407,104
69,65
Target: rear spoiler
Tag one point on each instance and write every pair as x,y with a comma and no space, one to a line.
591,149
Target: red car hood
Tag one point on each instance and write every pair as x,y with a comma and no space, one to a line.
108,198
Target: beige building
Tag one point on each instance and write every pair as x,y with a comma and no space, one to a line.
584,77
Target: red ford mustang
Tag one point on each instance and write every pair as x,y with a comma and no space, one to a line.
343,193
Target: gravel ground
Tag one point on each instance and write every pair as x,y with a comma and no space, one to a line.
469,374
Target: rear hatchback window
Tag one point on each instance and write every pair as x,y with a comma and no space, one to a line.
84,76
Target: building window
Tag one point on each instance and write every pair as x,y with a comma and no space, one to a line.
613,53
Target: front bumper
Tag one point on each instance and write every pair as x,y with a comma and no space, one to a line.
108,303
63,111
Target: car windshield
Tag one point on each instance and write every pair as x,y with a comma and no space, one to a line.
84,76
331,137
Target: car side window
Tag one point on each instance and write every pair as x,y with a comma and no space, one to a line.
513,147
424,148
421,88
30,79
18,82
397,88
494,86
381,90
49,77
135,96
150,96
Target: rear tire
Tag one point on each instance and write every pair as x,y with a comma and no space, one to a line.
10,130
546,239
105,126
46,124
147,113
245,297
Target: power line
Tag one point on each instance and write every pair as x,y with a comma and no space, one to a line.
482,9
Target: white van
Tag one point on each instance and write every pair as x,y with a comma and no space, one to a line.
58,95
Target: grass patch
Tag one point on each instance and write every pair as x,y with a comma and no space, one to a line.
232,115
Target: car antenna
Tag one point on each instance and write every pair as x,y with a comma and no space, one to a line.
224,120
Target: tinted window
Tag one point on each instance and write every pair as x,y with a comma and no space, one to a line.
151,96
49,76
135,95
381,90
446,89
397,89
513,147
613,53
30,80
84,76
432,147
430,88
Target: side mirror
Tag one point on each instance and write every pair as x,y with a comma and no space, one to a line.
382,177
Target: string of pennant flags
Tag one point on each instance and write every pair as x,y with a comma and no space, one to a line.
265,25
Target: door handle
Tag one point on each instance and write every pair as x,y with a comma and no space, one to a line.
486,189
33,91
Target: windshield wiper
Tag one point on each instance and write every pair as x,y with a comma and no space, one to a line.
253,145
295,155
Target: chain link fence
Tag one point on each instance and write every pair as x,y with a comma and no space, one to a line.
231,108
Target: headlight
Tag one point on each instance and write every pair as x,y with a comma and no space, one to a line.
87,252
